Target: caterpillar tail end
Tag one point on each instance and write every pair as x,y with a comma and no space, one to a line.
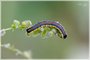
65,36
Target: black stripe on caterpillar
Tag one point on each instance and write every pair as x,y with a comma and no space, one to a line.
57,25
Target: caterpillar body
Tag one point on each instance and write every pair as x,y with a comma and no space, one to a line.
57,25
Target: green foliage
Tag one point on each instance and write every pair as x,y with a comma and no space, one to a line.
44,31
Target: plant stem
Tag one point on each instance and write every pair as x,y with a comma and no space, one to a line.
6,29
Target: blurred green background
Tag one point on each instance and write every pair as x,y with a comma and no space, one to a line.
73,15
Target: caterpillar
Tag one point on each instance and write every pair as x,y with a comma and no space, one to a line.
57,25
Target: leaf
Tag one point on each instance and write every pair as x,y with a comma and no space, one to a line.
36,32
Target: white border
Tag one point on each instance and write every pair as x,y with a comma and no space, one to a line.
0,28
44,59
89,29
42,0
